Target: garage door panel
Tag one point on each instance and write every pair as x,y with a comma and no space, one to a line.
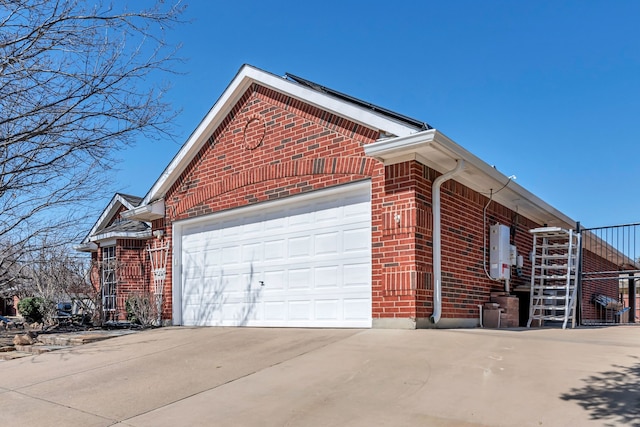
327,277
230,255
275,250
327,309
233,284
356,240
326,243
299,278
300,311
252,228
356,308
356,275
274,280
328,214
273,222
299,216
274,310
313,258
300,246
211,256
251,252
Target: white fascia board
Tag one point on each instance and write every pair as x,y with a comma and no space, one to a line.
86,247
154,210
423,145
392,148
243,80
100,238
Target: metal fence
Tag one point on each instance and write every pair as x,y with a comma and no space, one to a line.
610,275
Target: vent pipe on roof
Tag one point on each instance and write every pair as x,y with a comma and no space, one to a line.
437,244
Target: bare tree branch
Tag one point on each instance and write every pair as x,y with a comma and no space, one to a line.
78,82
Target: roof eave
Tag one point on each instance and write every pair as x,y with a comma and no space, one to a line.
86,247
154,210
136,235
437,151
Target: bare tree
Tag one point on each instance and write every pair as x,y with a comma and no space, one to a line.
54,274
78,81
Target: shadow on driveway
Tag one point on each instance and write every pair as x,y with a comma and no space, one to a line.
613,395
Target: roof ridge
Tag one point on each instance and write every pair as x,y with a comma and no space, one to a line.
348,98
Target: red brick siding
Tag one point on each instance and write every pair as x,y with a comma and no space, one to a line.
268,147
593,263
464,281
402,258
132,271
133,266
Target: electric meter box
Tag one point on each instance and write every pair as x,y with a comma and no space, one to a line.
499,252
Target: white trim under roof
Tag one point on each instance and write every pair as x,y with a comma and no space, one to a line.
113,235
434,149
238,86
107,214
86,247
154,210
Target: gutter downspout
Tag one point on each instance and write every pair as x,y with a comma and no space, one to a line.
437,243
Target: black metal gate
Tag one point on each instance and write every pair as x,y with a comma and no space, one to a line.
610,275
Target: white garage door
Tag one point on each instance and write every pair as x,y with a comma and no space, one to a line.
300,262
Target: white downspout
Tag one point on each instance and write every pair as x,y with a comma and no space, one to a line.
437,243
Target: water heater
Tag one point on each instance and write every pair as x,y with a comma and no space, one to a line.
499,252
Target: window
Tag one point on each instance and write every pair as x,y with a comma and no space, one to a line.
108,279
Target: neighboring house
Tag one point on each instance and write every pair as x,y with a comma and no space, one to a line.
8,306
117,255
295,205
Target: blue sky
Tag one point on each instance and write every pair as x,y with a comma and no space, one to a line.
548,91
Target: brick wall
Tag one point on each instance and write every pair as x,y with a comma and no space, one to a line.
592,262
268,147
132,272
402,259
133,266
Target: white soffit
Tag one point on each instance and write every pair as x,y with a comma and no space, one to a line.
243,80
154,210
112,236
437,151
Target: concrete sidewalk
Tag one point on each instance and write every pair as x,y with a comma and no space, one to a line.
319,377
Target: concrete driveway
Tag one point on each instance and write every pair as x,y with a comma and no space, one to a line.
294,377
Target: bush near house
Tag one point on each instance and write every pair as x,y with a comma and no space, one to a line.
32,309
141,309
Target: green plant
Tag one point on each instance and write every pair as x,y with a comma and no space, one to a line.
32,309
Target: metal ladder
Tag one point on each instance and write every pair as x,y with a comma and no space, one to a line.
554,275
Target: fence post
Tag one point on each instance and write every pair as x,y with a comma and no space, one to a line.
632,298
578,319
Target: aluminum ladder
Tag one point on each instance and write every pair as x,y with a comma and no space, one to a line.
554,275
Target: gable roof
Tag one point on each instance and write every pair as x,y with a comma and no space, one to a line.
361,113
402,138
104,228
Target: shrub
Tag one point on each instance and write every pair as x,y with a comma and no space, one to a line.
141,309
32,309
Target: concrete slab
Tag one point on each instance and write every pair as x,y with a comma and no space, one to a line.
319,377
